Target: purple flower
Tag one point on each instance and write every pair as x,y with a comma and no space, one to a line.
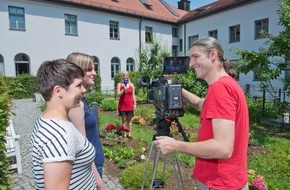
259,185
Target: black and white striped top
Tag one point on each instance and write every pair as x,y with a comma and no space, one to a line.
57,140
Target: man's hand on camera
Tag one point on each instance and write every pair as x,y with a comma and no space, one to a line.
165,144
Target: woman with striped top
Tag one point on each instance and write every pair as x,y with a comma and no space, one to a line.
61,157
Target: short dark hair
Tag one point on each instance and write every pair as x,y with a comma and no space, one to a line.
57,72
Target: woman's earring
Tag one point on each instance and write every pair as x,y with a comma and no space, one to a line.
60,96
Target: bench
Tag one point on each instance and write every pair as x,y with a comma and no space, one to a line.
12,148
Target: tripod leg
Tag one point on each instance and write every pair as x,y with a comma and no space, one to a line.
164,167
175,165
147,165
155,165
177,171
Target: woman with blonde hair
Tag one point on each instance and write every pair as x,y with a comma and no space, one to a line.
83,117
127,101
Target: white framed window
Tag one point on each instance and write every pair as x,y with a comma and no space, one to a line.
71,27
130,64
260,27
174,51
1,65
16,18
234,33
146,4
22,64
148,34
213,33
114,30
97,64
255,76
180,45
115,67
287,74
191,39
174,32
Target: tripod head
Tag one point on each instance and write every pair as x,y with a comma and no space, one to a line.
163,128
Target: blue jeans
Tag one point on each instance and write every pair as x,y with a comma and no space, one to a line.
100,170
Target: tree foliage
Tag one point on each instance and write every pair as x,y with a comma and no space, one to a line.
5,112
151,64
270,61
151,59
192,84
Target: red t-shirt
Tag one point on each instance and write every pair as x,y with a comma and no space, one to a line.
126,102
225,99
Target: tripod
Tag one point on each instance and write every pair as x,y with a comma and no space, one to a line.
159,183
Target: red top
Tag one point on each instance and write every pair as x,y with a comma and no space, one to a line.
126,102
225,99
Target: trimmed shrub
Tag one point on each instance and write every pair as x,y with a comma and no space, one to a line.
21,86
5,104
94,97
109,104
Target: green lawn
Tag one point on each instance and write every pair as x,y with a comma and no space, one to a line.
274,164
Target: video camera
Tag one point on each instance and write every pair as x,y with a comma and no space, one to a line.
167,97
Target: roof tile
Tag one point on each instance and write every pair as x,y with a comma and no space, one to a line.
157,10
135,7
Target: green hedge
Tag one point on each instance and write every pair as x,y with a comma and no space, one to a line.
5,107
24,86
21,86
98,81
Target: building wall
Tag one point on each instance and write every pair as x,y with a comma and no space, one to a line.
45,39
245,16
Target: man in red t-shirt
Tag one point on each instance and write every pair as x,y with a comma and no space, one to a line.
221,147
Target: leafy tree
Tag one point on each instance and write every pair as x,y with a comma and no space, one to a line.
151,59
192,84
5,112
269,62
151,65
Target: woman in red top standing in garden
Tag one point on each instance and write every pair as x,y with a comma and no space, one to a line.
127,101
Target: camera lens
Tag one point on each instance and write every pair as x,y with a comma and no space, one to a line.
144,81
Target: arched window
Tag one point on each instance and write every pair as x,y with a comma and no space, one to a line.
1,65
130,64
115,66
21,64
97,64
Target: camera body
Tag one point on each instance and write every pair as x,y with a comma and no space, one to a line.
167,97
